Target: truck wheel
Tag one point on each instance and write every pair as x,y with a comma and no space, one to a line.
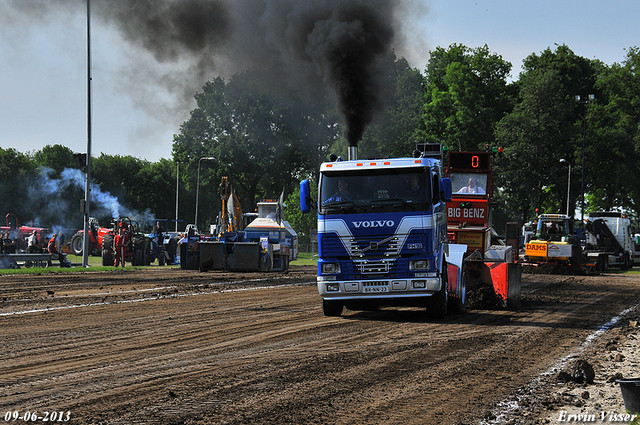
161,258
76,243
625,264
332,308
458,303
437,303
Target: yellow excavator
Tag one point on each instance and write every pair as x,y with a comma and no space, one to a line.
231,214
260,241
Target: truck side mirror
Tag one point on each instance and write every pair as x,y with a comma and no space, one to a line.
447,189
305,198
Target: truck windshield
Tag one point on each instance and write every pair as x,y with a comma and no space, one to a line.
469,183
553,230
350,192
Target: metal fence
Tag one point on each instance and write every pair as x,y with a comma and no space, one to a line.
308,243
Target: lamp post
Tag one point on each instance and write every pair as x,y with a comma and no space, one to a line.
177,188
585,102
564,161
198,186
87,188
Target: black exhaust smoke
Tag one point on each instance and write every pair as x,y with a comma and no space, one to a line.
309,47
347,47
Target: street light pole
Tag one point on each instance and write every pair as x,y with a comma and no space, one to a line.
198,186
564,161
585,102
177,188
87,188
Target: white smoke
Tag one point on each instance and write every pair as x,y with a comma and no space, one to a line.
52,196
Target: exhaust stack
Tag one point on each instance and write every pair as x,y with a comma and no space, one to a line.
353,153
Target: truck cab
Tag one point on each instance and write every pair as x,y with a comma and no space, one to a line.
553,241
382,234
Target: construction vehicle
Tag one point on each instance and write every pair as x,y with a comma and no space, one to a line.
135,247
636,243
96,234
554,243
488,262
268,243
386,245
609,241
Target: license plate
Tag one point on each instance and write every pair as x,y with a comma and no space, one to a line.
371,289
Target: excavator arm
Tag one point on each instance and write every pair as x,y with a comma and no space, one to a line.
231,214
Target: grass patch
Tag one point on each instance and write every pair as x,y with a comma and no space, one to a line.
95,265
306,259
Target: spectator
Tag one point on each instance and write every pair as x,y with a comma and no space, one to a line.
53,249
33,246
119,246
9,245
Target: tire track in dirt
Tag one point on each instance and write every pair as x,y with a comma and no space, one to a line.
269,356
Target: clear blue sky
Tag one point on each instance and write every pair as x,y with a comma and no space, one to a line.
43,71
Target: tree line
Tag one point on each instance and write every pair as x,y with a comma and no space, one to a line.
465,98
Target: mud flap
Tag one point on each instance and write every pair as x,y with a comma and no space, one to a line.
454,256
506,280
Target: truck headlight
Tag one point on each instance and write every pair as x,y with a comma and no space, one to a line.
330,268
419,265
332,287
419,284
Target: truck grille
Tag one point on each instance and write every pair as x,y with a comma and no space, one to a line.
371,246
367,267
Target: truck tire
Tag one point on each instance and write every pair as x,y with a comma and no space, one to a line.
332,308
625,263
161,258
458,303
76,243
438,302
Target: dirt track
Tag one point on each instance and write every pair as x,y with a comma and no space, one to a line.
169,346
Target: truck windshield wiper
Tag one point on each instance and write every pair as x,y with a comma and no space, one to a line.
394,202
343,205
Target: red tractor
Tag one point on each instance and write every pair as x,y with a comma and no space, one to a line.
96,234
135,246
19,233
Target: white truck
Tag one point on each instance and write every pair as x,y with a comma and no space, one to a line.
609,241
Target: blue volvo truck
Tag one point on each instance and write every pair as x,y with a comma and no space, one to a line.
382,234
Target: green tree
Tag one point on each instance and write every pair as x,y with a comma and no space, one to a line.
543,128
56,157
16,172
399,127
613,150
261,142
466,94
304,224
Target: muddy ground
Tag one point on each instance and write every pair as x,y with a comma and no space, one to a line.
171,346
